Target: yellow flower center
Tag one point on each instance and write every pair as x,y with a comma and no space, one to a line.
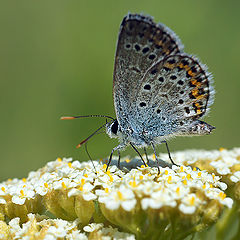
133,184
22,193
178,191
222,149
169,179
222,195
120,196
104,166
192,201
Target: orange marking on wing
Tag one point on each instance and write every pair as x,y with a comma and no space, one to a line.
199,97
191,73
194,82
186,67
171,66
181,65
195,92
199,111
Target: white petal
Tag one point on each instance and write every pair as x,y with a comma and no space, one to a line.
2,201
228,202
18,200
129,205
234,179
89,196
73,192
145,203
187,209
222,185
113,205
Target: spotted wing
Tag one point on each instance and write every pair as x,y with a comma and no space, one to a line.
174,92
140,44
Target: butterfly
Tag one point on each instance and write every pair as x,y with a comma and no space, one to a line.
159,91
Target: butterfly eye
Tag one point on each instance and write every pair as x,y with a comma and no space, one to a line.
114,127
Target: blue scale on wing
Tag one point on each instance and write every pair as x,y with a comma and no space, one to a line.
177,90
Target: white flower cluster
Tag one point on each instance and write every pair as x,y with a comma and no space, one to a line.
173,187
177,198
40,227
224,162
114,188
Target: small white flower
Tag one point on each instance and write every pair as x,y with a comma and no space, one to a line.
2,201
221,167
19,197
227,202
41,188
76,235
121,196
92,227
58,232
64,183
14,224
189,204
85,190
158,200
235,177
3,189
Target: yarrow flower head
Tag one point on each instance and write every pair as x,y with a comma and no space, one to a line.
178,200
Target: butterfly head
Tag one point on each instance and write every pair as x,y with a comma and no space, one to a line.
113,129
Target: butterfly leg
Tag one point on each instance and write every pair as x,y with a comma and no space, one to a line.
119,159
145,151
138,154
121,145
169,155
156,157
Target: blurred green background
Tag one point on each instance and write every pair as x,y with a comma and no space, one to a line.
56,58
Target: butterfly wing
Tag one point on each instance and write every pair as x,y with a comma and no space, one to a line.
140,44
174,93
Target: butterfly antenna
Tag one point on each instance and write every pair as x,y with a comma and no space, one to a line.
90,158
85,140
85,116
